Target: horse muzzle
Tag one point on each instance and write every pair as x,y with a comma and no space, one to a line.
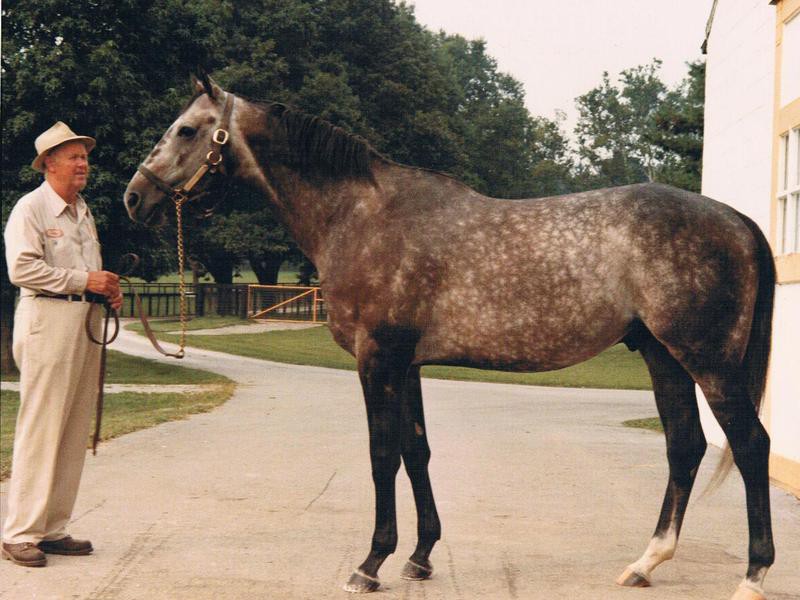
142,208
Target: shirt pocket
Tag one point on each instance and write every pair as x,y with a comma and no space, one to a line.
57,252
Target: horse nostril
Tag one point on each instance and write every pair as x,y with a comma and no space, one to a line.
132,201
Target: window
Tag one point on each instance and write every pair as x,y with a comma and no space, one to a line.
785,202
790,73
788,230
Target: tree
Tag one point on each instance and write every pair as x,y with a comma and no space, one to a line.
119,76
614,125
421,98
678,130
507,152
638,130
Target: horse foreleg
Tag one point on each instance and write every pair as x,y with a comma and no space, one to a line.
382,384
416,455
677,406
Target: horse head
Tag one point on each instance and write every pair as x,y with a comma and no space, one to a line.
196,145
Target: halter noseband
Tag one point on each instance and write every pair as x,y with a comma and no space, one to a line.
219,138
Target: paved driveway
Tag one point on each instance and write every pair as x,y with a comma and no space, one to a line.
542,494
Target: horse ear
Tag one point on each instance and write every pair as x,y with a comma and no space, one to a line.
277,109
204,84
197,85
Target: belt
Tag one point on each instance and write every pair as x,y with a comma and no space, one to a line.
86,297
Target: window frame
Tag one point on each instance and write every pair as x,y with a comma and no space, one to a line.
784,235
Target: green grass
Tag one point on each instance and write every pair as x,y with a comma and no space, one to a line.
123,413
616,368
174,324
123,368
652,424
126,411
9,404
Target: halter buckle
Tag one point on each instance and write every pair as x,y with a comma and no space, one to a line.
220,137
214,158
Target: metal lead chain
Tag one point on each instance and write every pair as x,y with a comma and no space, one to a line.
179,200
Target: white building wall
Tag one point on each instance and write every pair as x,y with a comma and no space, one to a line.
740,82
784,384
737,140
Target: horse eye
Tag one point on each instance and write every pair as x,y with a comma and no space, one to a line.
187,131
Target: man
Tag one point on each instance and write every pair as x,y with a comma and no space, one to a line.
53,255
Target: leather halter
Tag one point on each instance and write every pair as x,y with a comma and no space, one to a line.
219,138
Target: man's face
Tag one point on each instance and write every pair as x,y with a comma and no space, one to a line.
68,166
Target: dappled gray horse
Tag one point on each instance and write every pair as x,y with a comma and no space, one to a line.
418,269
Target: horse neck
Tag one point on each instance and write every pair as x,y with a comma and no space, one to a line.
313,210
311,206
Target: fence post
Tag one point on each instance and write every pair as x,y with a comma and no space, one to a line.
242,291
200,299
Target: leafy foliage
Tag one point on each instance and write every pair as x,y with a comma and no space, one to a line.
119,71
678,131
638,130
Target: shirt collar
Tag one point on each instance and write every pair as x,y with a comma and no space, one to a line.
57,205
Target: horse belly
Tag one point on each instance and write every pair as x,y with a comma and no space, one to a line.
524,340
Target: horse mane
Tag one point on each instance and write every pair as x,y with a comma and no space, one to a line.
316,145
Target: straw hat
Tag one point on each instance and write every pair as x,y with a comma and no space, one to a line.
55,136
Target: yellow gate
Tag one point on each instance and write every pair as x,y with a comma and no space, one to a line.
286,303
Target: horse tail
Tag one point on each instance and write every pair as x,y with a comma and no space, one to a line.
756,356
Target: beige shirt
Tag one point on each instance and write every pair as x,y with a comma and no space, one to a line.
47,249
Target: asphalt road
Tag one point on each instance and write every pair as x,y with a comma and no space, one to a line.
542,495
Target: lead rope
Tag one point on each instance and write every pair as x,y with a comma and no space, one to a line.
103,343
98,417
179,201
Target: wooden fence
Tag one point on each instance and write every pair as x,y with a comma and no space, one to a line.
287,303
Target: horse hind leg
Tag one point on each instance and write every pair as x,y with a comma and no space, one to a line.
677,406
416,455
728,398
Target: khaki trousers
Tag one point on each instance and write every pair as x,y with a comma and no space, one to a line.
59,368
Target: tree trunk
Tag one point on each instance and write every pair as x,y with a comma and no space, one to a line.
198,270
266,267
221,269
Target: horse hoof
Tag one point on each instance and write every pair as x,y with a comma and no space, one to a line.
417,572
745,592
361,583
631,578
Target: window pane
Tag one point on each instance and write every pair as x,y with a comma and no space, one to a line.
796,157
783,163
790,61
781,225
796,224
790,224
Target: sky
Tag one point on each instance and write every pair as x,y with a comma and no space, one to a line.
559,49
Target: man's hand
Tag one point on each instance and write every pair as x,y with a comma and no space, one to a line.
115,301
105,283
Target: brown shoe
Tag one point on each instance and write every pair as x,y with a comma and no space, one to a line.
25,554
66,545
